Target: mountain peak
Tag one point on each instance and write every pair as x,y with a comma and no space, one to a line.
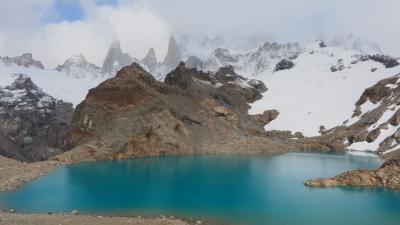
22,81
174,55
150,60
25,60
115,58
78,67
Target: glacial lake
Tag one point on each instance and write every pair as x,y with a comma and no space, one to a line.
255,190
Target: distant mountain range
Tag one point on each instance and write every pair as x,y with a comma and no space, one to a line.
313,90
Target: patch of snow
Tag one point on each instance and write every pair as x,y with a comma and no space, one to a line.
395,148
362,154
373,146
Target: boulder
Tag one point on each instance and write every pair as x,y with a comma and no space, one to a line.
284,64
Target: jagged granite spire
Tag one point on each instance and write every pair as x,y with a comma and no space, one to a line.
116,59
174,55
150,60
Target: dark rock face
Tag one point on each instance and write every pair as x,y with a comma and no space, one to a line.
387,176
284,64
322,44
387,61
338,67
180,78
33,123
239,87
26,60
193,112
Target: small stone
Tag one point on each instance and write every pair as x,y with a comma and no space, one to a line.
199,222
74,212
11,211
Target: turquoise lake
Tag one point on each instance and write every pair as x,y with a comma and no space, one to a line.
255,190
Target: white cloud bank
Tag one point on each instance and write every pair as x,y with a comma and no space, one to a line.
136,27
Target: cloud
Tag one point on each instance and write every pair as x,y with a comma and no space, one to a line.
285,20
137,27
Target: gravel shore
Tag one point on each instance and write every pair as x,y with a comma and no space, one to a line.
67,219
13,173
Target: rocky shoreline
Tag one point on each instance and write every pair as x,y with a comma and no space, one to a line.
69,219
13,173
387,176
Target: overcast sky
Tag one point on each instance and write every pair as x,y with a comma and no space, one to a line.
56,29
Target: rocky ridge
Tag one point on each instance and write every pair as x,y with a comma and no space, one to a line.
251,62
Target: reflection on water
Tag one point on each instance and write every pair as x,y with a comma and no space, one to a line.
243,189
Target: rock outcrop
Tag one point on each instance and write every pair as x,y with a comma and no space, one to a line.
25,60
284,64
193,112
387,176
387,61
33,124
116,59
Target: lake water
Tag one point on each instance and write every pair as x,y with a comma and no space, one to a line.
257,190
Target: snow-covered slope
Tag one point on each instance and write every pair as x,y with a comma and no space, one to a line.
58,84
310,95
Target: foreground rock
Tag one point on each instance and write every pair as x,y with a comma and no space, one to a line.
134,115
34,219
387,176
